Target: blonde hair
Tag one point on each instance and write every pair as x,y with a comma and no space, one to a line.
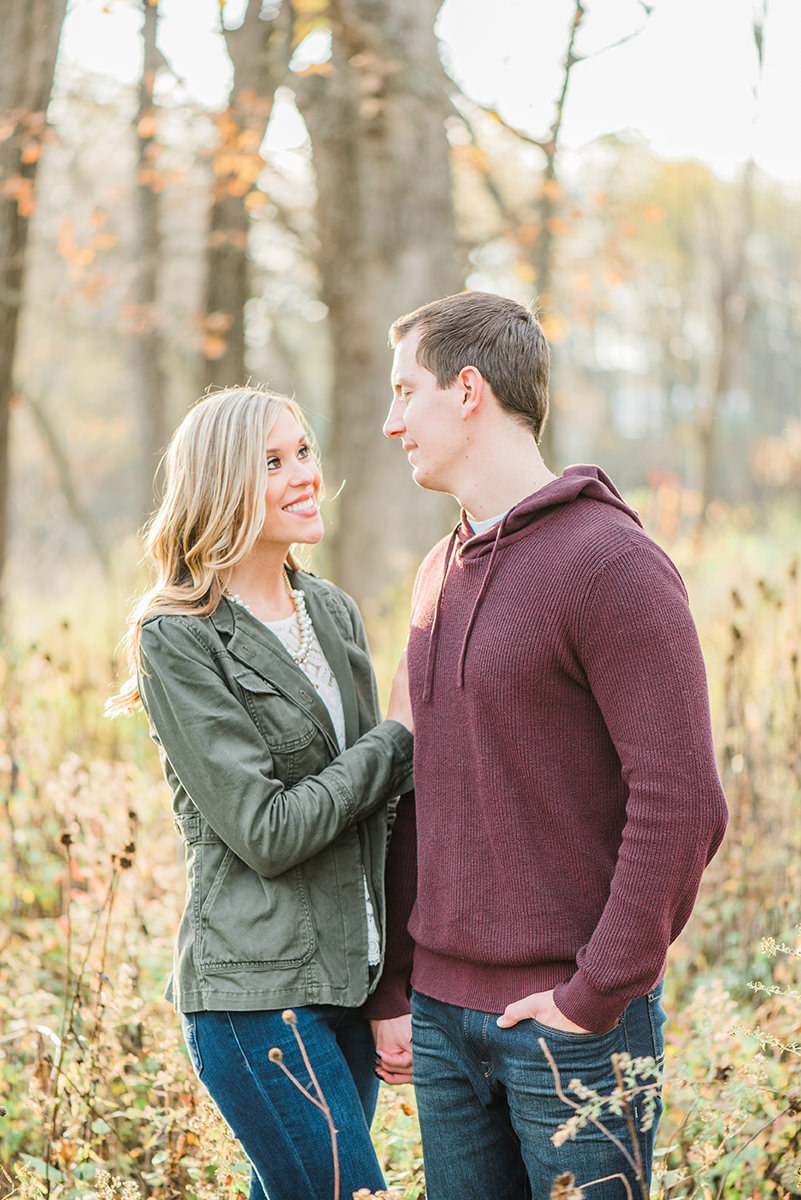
213,510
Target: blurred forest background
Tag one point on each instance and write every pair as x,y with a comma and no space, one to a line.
196,193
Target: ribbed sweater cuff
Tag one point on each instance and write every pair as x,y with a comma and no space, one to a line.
390,999
593,1010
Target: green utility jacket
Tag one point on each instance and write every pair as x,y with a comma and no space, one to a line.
279,828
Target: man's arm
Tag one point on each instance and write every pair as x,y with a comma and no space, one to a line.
639,649
388,1007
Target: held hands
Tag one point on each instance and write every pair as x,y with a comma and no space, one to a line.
393,1044
400,708
540,1006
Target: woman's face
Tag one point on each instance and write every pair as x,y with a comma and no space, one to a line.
293,486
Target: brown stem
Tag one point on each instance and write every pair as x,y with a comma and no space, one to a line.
607,1178
577,1107
320,1101
55,1074
754,1135
635,1141
323,1105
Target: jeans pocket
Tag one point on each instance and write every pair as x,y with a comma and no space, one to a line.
568,1035
189,1027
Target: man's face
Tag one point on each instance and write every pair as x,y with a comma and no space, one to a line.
426,418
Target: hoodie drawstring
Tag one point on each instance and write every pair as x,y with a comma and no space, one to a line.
432,641
478,599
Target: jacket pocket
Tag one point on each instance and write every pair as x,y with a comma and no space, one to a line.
248,921
285,726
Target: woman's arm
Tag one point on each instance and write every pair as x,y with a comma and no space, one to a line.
214,751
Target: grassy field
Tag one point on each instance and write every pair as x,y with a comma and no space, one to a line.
98,1097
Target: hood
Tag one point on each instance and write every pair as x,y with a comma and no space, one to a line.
574,482
581,481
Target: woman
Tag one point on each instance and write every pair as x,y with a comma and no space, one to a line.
261,698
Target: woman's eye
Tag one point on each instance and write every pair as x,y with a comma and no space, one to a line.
303,451
273,463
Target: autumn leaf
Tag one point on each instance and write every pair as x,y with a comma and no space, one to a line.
214,347
147,126
255,200
218,322
564,1188
324,68
31,152
555,327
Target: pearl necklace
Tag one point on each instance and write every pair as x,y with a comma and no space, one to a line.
305,627
304,621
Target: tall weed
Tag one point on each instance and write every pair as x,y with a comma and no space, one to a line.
100,1101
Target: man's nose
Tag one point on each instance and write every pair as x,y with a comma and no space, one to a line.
394,426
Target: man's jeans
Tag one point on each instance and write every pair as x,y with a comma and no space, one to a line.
284,1135
488,1103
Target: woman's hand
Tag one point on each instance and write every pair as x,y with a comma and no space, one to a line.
400,707
393,1043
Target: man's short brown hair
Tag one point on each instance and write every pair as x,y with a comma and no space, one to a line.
499,337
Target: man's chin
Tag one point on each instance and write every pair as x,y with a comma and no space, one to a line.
427,482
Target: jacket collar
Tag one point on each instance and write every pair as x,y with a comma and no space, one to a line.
256,647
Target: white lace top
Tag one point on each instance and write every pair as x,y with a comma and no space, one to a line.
322,678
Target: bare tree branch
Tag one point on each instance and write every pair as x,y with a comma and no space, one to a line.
79,511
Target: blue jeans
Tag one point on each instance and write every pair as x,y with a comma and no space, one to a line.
284,1135
488,1104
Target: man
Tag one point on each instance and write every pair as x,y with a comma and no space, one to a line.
567,799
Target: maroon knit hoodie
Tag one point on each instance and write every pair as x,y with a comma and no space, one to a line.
567,798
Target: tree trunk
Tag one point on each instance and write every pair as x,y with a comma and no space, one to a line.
547,210
147,339
387,243
28,49
81,513
259,51
730,301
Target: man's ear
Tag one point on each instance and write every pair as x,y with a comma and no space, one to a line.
473,385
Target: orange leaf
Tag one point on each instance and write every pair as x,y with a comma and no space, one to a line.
31,152
555,327
237,187
214,347
218,322
527,233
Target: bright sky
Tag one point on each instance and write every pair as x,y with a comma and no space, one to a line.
686,82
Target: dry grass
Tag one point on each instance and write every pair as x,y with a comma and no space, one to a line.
98,1095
